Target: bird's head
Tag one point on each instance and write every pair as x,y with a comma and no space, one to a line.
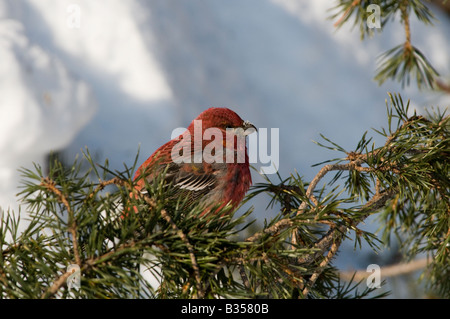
224,119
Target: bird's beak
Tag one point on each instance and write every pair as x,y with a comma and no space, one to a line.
248,128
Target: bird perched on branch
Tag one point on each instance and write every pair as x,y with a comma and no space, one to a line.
208,163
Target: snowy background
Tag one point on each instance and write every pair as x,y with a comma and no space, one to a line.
115,75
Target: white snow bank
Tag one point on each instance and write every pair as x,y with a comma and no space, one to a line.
42,104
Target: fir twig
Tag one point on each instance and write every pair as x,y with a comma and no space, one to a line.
50,185
200,292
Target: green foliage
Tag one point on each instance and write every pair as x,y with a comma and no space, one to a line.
405,61
93,218
401,64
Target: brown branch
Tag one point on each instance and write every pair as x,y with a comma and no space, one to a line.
61,281
334,248
50,185
103,184
378,201
323,171
405,18
89,263
57,284
331,240
379,198
355,162
347,12
276,228
388,271
334,236
200,291
442,85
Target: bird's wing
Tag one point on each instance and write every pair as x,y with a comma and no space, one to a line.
196,177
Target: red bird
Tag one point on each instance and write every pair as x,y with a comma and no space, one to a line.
208,162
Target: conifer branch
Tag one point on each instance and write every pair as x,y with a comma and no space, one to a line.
50,185
56,286
404,182
404,60
200,292
331,253
347,13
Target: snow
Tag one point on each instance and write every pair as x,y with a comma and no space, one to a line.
117,75
43,105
